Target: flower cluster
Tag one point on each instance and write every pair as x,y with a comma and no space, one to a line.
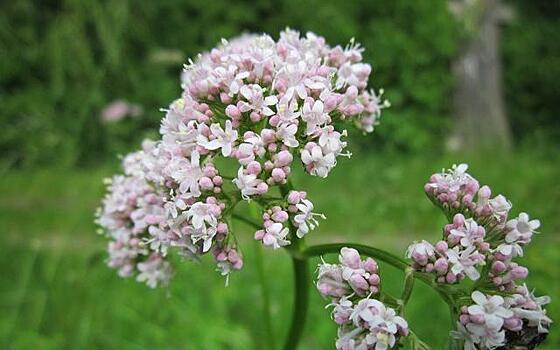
481,243
455,191
492,321
261,103
364,322
479,234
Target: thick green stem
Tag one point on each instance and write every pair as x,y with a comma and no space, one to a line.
267,314
265,294
301,294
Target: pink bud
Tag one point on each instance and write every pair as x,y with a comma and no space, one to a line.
464,319
254,168
280,216
519,272
498,267
233,112
217,180
484,192
478,319
441,265
225,97
284,158
458,220
370,265
268,135
294,197
222,228
359,284
450,278
205,183
268,165
262,188
274,120
514,324
374,279
259,235
350,257
441,247
255,117
278,174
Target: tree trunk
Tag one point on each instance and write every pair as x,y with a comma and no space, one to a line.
478,97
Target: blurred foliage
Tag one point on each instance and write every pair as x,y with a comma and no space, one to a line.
531,51
62,61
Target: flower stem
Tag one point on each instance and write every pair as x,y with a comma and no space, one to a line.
265,294
301,295
246,220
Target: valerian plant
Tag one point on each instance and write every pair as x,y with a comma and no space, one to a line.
269,105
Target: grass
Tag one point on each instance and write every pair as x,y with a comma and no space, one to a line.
56,292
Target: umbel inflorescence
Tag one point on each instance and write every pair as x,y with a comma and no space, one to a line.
265,104
480,243
253,108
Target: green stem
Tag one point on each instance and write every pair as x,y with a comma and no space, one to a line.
246,220
265,294
301,295
266,309
407,288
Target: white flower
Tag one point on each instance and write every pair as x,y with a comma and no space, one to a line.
420,252
500,207
317,162
305,219
154,271
287,133
353,74
185,136
521,229
224,139
536,316
205,234
463,334
275,236
469,233
330,141
256,100
201,215
159,240
382,323
246,183
294,77
187,174
491,308
464,261
287,111
451,180
510,250
314,115
489,338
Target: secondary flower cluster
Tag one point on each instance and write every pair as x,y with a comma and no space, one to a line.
491,319
364,322
262,103
481,243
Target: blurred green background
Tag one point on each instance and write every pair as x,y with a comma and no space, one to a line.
62,62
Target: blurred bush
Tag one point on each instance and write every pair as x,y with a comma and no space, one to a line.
531,51
63,61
